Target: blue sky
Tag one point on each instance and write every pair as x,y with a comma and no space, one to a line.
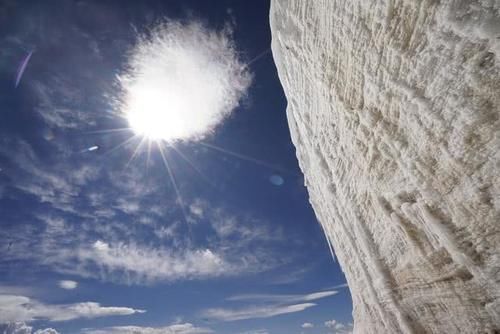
97,240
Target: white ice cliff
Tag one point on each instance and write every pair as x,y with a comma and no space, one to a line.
394,106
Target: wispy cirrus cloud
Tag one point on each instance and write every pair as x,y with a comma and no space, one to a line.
105,212
253,312
292,276
340,286
14,308
111,208
59,99
154,264
266,305
283,298
181,328
226,225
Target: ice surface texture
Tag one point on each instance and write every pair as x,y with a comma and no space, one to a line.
394,109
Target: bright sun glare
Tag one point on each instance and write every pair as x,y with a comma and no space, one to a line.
160,114
181,82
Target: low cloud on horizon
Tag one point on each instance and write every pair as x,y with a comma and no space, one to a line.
14,308
181,328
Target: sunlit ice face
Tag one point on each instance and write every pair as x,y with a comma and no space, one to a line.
182,82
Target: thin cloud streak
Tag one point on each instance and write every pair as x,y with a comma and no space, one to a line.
267,305
256,331
68,285
253,312
283,298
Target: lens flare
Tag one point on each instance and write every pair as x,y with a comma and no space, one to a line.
277,180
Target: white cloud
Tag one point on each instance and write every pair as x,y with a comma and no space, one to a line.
101,246
247,229
330,323
293,275
307,325
268,305
68,285
72,250
22,328
319,295
46,331
197,208
128,206
181,81
58,100
15,308
48,186
153,264
185,328
338,327
167,232
58,184
238,243
339,286
252,312
284,298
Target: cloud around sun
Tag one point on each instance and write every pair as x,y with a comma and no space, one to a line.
181,81
92,205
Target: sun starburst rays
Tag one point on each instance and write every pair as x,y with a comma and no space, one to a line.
180,82
172,179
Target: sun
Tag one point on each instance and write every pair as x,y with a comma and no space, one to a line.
159,114
181,82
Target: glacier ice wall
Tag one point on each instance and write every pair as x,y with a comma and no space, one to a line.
393,106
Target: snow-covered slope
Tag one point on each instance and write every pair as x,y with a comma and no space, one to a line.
394,109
